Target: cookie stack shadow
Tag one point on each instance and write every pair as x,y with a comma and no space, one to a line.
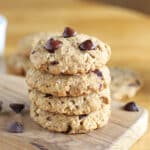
69,83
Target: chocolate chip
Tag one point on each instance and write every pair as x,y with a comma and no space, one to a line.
54,62
15,127
73,102
82,116
33,52
62,102
68,32
17,107
48,95
69,129
48,118
131,106
136,83
52,45
39,146
29,91
1,103
87,45
99,73
77,106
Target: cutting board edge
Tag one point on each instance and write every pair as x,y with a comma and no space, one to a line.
128,139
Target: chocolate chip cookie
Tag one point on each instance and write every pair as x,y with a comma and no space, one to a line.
75,54
67,85
70,105
70,124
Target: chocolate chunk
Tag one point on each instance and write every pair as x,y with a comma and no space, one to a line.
69,129
15,127
29,91
136,83
33,52
18,108
48,118
54,62
39,146
82,116
1,103
48,95
68,32
99,73
52,45
87,45
131,106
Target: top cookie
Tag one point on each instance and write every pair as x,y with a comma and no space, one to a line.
69,53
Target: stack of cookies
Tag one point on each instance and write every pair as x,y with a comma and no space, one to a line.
69,83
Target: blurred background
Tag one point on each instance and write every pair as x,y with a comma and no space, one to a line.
123,24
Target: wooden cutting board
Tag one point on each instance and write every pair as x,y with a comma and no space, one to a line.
123,130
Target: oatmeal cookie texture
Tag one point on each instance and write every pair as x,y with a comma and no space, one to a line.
70,55
69,82
66,85
71,105
70,124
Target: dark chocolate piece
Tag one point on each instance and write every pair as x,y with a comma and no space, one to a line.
54,62
87,45
33,52
15,127
131,106
69,129
48,95
68,32
16,107
52,45
136,83
99,73
82,116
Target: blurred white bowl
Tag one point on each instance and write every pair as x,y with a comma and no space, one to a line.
3,26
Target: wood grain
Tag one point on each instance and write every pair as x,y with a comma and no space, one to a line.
127,32
124,127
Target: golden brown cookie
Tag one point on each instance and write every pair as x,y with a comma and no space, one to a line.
67,85
70,105
70,124
70,55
